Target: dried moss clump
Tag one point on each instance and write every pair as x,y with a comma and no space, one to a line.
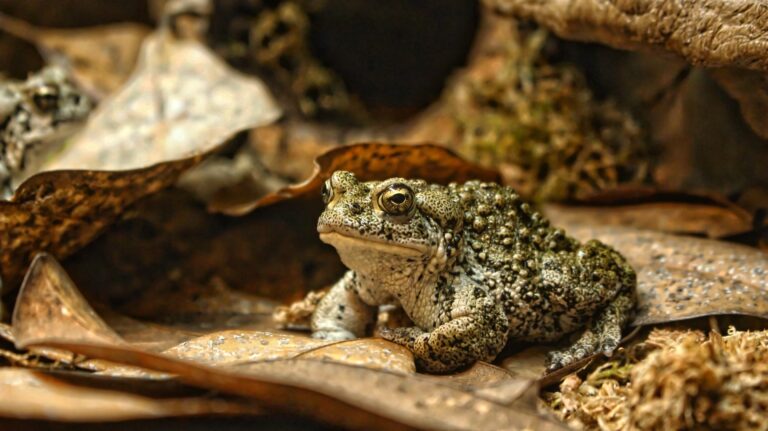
541,125
683,381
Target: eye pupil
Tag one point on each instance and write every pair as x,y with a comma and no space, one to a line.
45,98
398,198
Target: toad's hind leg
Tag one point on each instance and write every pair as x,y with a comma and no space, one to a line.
603,334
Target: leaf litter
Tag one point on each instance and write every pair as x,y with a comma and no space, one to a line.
637,245
365,383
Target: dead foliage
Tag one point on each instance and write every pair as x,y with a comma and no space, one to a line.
142,301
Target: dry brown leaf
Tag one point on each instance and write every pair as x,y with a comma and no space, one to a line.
370,161
237,347
682,277
345,395
28,394
6,332
494,383
528,363
371,353
61,211
715,221
49,305
181,100
100,59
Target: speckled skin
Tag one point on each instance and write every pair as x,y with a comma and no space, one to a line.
34,112
473,267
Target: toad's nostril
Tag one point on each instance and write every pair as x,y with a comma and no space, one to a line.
356,208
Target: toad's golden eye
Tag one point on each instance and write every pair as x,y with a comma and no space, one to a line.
397,199
326,192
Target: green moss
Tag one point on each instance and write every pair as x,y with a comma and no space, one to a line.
540,121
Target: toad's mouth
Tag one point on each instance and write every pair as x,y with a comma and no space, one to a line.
345,241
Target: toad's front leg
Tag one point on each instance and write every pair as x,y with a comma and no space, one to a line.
341,314
457,343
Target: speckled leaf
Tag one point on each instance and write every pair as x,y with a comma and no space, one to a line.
181,100
682,277
28,394
61,211
100,59
370,161
371,353
237,347
674,214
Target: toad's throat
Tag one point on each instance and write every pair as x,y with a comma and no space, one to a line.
344,242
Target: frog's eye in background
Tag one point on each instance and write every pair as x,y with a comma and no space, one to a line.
397,199
326,191
45,98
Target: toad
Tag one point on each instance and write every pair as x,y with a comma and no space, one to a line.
473,266
34,114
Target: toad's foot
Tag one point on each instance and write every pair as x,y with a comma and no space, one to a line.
417,341
603,336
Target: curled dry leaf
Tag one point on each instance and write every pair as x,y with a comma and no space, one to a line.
28,394
50,306
681,277
100,59
180,103
371,161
